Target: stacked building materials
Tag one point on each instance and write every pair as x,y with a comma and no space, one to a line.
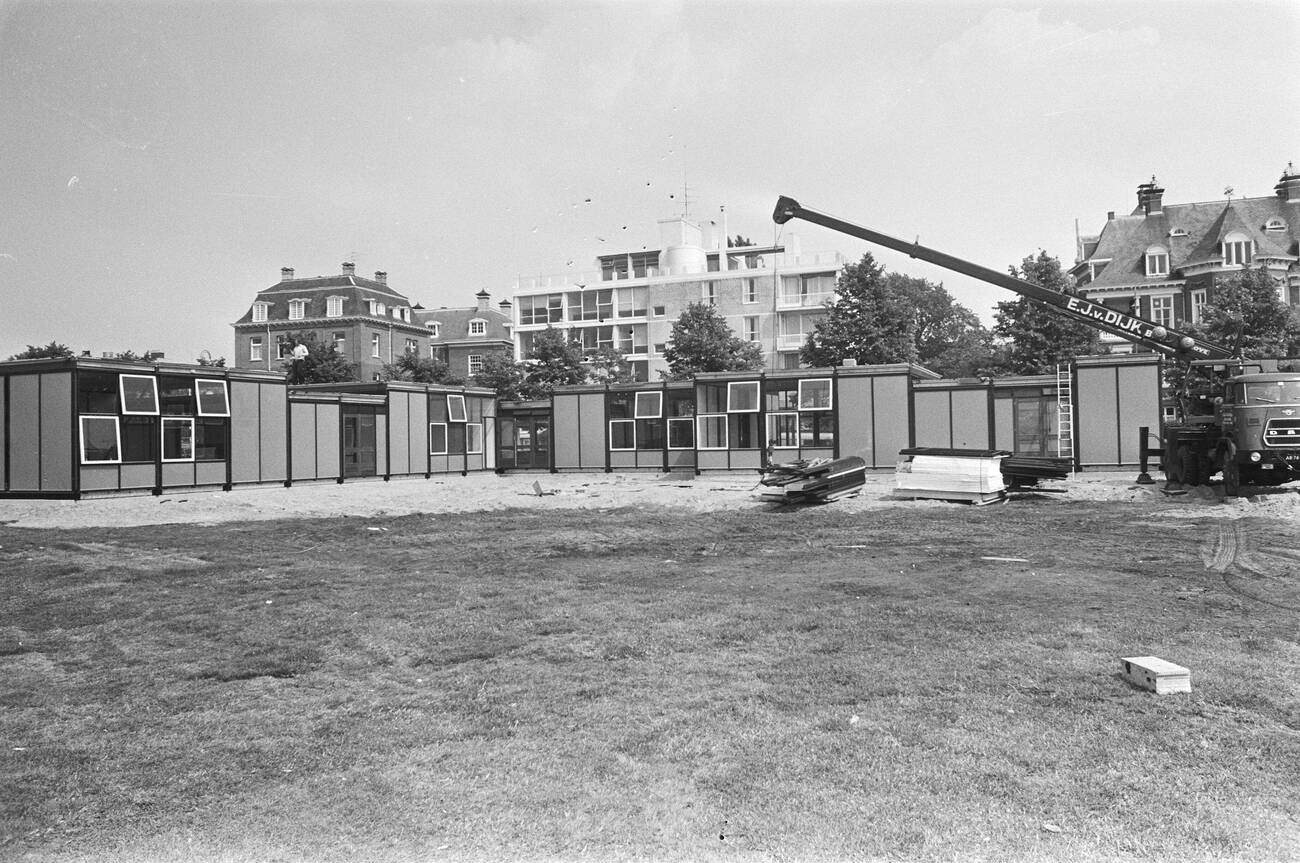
974,476
1020,471
813,480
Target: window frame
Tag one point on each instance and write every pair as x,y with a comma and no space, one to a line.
117,439
442,451
474,364
376,346
472,431
757,400
458,400
1196,302
804,405
689,423
261,312
1157,261
1157,314
297,309
478,327
198,397
750,291
255,349
334,306
162,438
658,397
610,430
1232,245
121,391
726,430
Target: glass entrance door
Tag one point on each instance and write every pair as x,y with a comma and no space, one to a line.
359,444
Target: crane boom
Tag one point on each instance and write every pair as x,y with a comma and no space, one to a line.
1155,336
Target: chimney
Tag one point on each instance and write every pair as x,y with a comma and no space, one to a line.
381,277
1149,195
349,268
484,300
1288,188
85,353
1110,215
505,306
286,274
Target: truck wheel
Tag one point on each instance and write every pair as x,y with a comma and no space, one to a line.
1190,461
1231,477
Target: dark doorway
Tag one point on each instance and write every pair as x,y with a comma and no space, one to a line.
359,443
524,443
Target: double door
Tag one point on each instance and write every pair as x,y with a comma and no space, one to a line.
525,443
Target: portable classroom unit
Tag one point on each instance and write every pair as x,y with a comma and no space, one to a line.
79,426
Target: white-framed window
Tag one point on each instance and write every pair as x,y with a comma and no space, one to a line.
1157,260
139,394
177,439
815,394
297,310
412,346
334,307
255,349
1274,225
478,327
681,433
1198,305
213,397
712,431
1162,310
751,328
377,308
435,329
456,408
473,438
648,406
659,311
622,434
374,344
474,364
783,430
1236,250
101,440
742,397
751,290
710,294
437,438
260,312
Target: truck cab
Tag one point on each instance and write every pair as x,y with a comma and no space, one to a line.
1260,418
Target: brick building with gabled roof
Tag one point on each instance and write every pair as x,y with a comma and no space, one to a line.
1161,260
463,337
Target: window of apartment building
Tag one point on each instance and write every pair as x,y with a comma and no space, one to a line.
260,312
1198,305
474,364
710,295
751,290
478,327
411,346
631,302
437,438
659,311
660,347
255,349
1236,250
1157,259
340,340
334,307
139,394
751,328
1162,310
177,439
581,306
101,440
297,310
374,344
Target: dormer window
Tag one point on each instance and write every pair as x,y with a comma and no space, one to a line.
478,327
376,308
1157,258
334,307
1236,250
1178,232
435,329
1275,225
259,312
297,310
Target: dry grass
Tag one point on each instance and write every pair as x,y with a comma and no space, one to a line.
638,685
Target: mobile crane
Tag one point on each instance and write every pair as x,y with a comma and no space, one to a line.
1241,420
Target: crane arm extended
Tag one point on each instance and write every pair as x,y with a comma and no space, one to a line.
1159,338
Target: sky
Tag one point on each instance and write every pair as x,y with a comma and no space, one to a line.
160,162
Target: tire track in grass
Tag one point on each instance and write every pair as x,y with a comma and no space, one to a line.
1241,562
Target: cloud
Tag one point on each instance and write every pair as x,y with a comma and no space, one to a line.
1019,38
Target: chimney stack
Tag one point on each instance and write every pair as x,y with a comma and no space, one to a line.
484,300
381,277
1149,195
1288,188
286,274
349,268
505,306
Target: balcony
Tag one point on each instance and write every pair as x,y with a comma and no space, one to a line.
803,301
791,341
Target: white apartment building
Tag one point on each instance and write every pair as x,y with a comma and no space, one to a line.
767,294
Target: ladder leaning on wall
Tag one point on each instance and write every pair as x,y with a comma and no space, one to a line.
1065,413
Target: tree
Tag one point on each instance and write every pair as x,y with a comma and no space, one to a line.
52,351
503,374
701,341
410,366
871,320
1040,338
1245,311
219,362
323,364
738,240
555,360
610,366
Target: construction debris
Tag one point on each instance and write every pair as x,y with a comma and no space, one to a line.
1156,674
819,480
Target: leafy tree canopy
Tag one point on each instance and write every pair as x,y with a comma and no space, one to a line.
701,341
870,320
555,360
410,366
52,351
738,240
1038,339
1245,311
322,365
609,366
500,372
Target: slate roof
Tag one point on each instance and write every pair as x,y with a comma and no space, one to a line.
355,290
1124,240
454,323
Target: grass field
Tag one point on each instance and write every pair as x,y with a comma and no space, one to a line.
638,685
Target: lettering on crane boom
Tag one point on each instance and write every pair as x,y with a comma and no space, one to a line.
1126,324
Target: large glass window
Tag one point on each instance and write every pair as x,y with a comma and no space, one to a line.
816,430
1162,310
139,439
473,438
681,433
139,394
783,430
712,431
176,395
649,405
742,397
177,439
437,438
255,349
1198,305
97,393
650,434
100,443
214,401
815,394
210,439
622,434
456,408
